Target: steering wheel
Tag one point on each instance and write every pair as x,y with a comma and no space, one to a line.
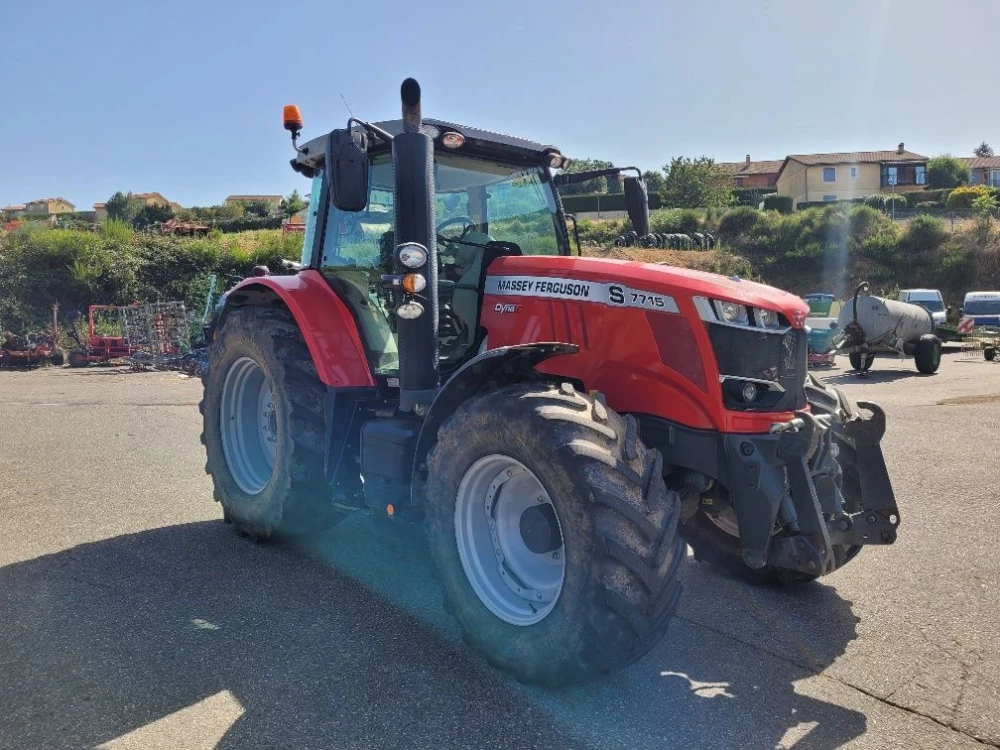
466,222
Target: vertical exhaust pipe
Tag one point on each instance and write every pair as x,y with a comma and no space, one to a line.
413,203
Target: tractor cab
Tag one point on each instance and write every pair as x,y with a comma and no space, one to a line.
494,195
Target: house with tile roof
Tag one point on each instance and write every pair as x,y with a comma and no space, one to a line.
753,174
49,206
985,170
808,178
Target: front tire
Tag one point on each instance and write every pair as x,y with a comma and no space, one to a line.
861,362
578,578
263,426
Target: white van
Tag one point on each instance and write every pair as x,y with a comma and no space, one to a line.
982,307
929,299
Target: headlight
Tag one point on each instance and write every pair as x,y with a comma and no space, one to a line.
411,254
410,310
730,312
766,318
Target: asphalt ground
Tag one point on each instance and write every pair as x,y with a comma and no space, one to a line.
132,616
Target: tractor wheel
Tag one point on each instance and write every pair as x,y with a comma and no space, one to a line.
927,354
78,359
263,427
990,353
552,533
57,359
861,362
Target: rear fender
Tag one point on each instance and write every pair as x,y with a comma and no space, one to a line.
326,323
488,371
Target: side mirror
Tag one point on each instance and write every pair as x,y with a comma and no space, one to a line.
346,171
637,205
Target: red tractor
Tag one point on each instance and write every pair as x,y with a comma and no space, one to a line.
562,424
99,347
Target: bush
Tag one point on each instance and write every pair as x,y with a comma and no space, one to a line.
926,196
780,203
885,202
675,220
739,222
923,234
962,197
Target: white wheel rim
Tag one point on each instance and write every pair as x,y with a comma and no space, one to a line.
501,509
249,426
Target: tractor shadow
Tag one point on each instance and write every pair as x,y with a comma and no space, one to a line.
344,643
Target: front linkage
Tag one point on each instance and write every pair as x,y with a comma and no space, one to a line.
823,478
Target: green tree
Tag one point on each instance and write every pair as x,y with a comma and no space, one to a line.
984,207
292,204
655,182
696,183
229,211
597,185
152,213
946,171
261,209
123,207
983,150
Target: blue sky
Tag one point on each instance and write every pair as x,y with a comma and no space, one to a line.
185,97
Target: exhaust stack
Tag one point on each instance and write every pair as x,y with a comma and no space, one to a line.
413,200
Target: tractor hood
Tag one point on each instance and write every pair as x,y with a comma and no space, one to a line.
513,275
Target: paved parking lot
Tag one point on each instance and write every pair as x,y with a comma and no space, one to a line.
131,616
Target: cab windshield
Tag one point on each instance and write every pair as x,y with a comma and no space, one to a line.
982,306
931,305
476,202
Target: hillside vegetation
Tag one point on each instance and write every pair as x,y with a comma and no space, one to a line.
117,266
828,248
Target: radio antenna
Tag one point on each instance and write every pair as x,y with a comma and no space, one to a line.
346,104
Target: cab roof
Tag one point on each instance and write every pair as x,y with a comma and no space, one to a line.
478,143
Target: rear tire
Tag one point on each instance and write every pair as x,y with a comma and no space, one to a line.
861,362
57,359
292,496
617,525
927,354
990,353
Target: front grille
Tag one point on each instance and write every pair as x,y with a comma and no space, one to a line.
759,355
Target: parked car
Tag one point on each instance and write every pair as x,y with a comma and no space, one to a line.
982,307
929,299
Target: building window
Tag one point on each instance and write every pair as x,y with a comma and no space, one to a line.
854,173
995,177
921,174
975,177
829,197
829,174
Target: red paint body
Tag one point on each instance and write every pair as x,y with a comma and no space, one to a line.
645,361
326,323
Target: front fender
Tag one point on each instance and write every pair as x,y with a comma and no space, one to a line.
488,371
326,323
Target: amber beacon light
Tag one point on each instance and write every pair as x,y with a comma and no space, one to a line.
292,118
